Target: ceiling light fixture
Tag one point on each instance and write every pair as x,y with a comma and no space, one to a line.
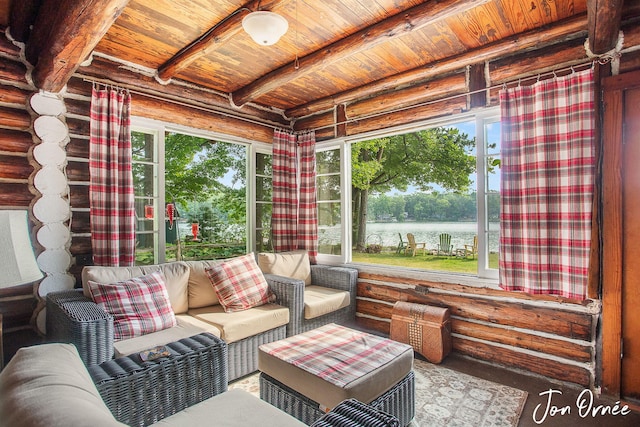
264,27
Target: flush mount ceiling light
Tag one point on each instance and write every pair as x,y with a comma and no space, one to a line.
264,27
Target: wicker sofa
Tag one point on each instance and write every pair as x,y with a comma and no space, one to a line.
74,318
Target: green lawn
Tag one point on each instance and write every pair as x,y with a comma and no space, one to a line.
425,262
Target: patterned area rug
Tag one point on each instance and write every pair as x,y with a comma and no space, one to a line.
448,398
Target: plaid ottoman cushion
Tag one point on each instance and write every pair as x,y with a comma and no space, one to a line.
333,363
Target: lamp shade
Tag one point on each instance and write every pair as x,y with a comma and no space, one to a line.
17,260
265,27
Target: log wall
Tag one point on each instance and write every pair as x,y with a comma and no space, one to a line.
549,336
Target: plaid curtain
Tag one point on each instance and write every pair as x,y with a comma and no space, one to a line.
308,211
294,221
547,186
284,219
111,180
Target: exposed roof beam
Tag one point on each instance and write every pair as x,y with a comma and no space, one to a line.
604,24
23,13
572,27
206,43
395,26
64,34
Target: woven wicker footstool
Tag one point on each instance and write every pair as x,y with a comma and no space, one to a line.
308,374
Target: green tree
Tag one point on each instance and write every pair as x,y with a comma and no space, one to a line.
194,166
194,171
438,156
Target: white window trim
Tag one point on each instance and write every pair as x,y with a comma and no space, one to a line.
485,276
159,128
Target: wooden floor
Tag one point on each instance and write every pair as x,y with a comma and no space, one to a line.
534,385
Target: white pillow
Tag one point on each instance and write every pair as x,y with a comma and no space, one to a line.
294,264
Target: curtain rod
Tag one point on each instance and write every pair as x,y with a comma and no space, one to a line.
131,89
517,81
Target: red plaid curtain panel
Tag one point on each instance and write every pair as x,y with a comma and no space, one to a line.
294,222
547,180
111,180
308,209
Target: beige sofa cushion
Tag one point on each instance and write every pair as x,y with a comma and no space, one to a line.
48,385
242,324
319,300
187,327
234,408
293,264
201,292
175,273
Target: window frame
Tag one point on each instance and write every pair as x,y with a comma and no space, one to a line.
159,129
481,118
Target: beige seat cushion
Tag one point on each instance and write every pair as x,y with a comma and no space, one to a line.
319,301
175,273
201,292
368,374
234,408
187,327
293,264
242,324
48,385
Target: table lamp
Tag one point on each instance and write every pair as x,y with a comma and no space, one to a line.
18,264
17,260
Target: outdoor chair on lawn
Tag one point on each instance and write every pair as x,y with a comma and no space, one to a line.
471,249
445,247
413,246
401,244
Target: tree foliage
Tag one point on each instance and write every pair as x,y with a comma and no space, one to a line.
437,156
194,167
207,180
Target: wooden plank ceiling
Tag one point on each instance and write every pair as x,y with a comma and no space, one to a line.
334,49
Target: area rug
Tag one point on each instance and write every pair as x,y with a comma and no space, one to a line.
448,398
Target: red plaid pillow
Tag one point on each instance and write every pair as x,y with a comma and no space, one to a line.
240,284
139,306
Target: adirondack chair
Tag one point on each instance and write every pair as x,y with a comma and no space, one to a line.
413,246
445,247
471,249
401,244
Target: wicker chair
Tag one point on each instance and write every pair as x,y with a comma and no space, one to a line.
290,293
141,393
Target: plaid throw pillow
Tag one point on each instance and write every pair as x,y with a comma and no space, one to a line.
139,306
240,284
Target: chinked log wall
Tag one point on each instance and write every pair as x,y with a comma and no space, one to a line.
549,336
17,167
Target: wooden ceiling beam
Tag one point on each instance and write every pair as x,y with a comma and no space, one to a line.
206,43
573,27
398,25
23,14
604,24
64,34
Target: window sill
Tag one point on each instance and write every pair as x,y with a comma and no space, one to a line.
431,276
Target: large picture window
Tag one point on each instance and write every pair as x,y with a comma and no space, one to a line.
191,196
429,198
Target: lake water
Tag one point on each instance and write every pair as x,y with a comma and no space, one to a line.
461,233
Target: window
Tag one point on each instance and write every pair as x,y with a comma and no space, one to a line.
263,203
191,195
147,166
424,181
329,202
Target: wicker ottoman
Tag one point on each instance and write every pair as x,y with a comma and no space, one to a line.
308,374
